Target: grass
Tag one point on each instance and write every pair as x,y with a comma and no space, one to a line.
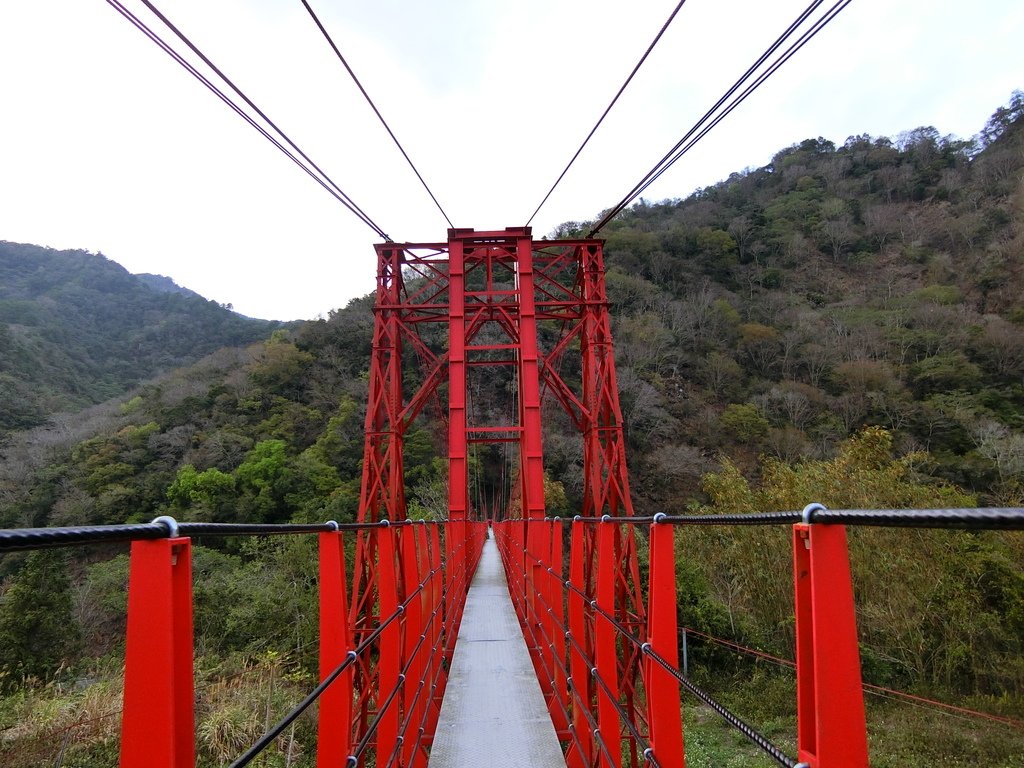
77,724
900,734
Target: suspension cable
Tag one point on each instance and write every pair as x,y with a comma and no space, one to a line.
674,153
323,179
782,59
608,109
373,106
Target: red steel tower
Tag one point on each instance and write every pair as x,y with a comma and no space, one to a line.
499,293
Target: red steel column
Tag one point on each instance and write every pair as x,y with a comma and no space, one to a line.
531,443
663,719
579,667
606,658
334,725
556,630
436,670
158,724
831,726
389,666
458,460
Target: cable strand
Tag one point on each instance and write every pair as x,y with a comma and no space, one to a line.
373,106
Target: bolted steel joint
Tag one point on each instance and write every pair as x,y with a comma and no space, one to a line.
169,523
808,512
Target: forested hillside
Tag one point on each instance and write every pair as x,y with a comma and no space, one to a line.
77,329
844,325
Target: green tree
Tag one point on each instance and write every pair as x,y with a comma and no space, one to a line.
37,630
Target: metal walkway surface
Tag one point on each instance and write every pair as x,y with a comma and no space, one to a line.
493,713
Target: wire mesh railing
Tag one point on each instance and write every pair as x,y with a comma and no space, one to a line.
577,631
400,662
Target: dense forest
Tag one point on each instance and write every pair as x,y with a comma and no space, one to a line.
844,325
77,329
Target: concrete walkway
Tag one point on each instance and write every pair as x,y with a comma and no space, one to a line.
493,713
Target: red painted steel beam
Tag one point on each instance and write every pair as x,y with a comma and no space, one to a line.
158,722
831,725
334,723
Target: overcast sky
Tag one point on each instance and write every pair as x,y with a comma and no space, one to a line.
108,145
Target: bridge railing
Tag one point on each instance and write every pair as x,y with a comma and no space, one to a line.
423,576
576,634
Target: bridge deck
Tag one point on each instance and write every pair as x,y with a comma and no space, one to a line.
493,713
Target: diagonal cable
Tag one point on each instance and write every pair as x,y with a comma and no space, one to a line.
783,58
327,182
700,128
373,106
336,192
608,109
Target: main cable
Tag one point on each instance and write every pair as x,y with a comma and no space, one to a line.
608,109
373,106
154,37
674,153
786,56
181,36
323,179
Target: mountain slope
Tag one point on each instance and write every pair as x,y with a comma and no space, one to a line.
76,329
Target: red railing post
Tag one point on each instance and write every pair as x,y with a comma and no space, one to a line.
334,724
158,723
438,676
664,722
535,594
605,656
389,665
556,628
581,754
413,573
831,726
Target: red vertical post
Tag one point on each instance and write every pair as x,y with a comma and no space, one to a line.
158,724
334,725
664,723
831,725
530,444
556,633
412,575
606,659
389,665
536,596
579,667
458,460
436,671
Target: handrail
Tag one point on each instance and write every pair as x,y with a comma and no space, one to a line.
583,638
989,518
15,539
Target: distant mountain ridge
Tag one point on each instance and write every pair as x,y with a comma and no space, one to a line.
77,328
164,284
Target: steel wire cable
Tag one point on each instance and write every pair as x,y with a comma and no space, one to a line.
323,179
623,715
755,736
161,43
667,160
608,109
350,658
376,111
786,56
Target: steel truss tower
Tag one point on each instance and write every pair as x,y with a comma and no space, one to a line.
499,293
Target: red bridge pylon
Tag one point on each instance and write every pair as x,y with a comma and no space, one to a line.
501,293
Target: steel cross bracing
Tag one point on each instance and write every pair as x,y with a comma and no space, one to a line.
500,293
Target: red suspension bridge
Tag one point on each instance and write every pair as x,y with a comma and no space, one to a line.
564,652
587,673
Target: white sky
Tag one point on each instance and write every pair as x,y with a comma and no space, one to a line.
108,145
